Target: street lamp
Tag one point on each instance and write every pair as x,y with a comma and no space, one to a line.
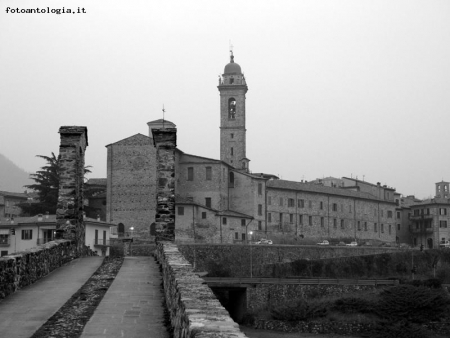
251,258
131,230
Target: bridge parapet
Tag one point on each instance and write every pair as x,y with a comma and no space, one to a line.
24,268
194,309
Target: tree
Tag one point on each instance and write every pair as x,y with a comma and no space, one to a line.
47,186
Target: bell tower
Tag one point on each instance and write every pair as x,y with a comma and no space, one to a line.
232,88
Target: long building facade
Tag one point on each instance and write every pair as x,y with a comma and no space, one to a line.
222,201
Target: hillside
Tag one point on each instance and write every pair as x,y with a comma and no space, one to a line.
12,178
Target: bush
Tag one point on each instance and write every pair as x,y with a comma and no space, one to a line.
300,311
353,305
400,329
412,304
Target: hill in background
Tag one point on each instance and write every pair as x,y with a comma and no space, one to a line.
12,178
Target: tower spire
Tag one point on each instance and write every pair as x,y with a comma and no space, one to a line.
231,53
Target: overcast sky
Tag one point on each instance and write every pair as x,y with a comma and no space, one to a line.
336,88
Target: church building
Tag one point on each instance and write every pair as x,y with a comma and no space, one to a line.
222,201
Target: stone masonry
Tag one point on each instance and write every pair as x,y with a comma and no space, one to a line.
69,213
165,140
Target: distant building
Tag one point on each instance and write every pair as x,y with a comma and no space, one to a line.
430,219
222,201
9,203
23,233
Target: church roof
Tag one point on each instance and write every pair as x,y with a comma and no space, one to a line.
161,121
232,67
133,140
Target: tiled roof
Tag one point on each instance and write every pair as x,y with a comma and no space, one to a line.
50,219
318,188
14,194
233,214
96,181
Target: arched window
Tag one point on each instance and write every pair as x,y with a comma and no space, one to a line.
231,180
232,108
121,229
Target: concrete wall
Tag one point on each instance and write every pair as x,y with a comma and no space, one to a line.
194,310
25,268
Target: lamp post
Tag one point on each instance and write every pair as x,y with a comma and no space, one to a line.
131,230
251,258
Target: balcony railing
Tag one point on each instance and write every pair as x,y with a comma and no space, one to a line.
101,242
420,217
420,230
44,240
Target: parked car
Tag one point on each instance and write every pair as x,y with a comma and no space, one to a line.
264,241
324,242
341,244
352,244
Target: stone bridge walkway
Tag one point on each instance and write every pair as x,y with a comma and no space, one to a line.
132,306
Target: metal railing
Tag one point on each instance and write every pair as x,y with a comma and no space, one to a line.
295,280
101,242
44,240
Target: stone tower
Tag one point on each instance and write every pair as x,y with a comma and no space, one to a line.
442,189
232,88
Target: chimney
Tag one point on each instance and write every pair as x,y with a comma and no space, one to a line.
40,218
46,215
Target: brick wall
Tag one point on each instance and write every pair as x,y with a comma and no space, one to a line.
193,308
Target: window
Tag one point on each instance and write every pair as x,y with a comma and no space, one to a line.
442,224
190,174
375,228
231,151
443,211
390,228
281,217
180,211
269,217
382,227
322,222
203,215
243,237
342,224
224,220
301,203
231,180
350,208
321,205
281,201
415,241
231,108
398,215
335,223
4,253
259,188
243,222
300,219
4,239
259,225
208,173
208,202
27,234
232,135
269,200
291,218
335,206
236,235
365,226
389,214
398,227
310,204
260,209
359,225
310,220
291,202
